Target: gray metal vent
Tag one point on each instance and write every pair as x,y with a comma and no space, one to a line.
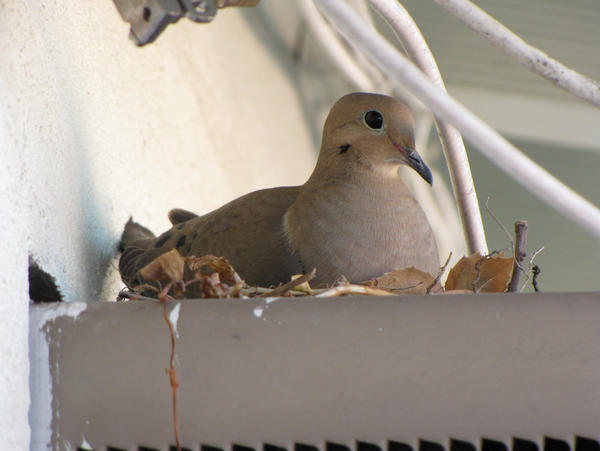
310,373
518,444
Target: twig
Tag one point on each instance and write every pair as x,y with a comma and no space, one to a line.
531,265
291,284
174,381
519,255
439,274
132,295
353,289
495,218
536,272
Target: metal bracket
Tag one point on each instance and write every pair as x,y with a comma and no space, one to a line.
148,18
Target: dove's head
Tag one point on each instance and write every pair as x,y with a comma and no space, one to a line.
372,132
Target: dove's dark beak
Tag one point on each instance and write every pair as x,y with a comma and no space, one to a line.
414,160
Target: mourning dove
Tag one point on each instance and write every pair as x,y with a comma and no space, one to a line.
353,217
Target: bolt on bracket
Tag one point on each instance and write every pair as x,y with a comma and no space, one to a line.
148,18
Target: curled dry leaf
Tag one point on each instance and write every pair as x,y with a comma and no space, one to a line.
406,281
168,266
480,274
191,277
208,264
211,277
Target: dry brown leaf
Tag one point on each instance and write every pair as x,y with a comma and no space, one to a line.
406,281
168,266
210,263
481,274
211,277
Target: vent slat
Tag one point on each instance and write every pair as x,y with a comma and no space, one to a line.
461,445
586,444
524,445
552,444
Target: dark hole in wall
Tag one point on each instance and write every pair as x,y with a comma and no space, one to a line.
42,286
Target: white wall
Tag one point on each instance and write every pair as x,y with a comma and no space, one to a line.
93,130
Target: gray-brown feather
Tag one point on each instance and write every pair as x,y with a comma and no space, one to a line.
247,231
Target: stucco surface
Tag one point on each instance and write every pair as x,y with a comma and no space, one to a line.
107,130
94,129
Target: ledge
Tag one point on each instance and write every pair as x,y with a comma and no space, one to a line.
307,370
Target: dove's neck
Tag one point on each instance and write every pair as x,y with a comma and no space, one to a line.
364,190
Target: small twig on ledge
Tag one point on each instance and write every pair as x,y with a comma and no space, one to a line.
536,272
291,284
439,275
531,265
495,218
132,295
353,289
173,379
519,256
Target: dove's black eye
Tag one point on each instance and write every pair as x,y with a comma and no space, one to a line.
373,119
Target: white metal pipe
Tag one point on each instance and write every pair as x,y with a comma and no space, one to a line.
521,168
454,148
533,58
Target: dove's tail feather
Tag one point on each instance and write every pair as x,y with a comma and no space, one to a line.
134,242
179,215
135,233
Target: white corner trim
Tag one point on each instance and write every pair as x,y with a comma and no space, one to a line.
40,383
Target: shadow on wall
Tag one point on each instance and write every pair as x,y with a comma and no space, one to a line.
68,221
318,84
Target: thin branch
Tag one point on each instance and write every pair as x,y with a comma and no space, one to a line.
529,56
132,295
291,284
519,255
439,275
495,218
530,271
536,272
353,289
452,144
503,154
173,380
